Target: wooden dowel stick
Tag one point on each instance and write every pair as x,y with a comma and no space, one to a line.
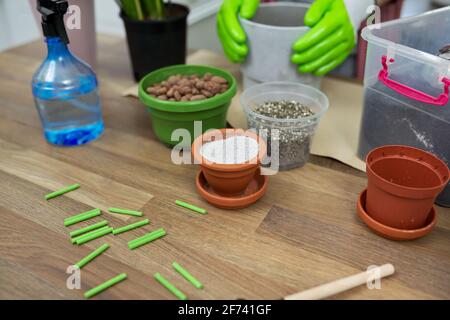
341,285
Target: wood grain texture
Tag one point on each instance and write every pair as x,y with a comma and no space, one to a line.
303,233
420,264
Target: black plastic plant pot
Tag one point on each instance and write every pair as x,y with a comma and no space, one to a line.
154,44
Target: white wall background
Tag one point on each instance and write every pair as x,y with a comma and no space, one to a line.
17,24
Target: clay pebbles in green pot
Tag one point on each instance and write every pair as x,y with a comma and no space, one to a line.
184,101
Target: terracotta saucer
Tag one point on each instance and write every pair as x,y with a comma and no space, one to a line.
393,233
255,190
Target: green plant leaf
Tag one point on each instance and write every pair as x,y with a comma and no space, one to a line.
143,9
139,12
149,7
159,8
153,8
129,8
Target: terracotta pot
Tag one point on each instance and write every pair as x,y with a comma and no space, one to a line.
403,183
254,191
227,179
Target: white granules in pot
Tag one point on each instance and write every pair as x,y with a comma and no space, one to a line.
234,150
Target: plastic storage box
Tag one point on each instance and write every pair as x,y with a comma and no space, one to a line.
407,87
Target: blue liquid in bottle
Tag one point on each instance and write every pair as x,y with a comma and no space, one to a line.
65,91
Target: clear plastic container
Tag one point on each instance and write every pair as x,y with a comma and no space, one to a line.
406,86
288,145
270,35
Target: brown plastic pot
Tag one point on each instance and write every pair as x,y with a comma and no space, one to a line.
227,179
394,233
403,183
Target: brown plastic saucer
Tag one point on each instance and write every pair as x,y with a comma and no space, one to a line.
254,191
393,233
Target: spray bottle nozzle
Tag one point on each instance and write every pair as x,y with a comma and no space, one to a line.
53,12
48,7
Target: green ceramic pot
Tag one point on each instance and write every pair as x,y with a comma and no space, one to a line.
167,116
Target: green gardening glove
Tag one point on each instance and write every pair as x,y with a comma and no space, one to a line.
230,32
330,40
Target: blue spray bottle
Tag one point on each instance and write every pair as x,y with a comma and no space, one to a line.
65,89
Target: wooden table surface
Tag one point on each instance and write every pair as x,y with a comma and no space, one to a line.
303,233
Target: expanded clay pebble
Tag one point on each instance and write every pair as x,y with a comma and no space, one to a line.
189,87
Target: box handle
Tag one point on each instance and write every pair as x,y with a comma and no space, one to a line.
409,92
